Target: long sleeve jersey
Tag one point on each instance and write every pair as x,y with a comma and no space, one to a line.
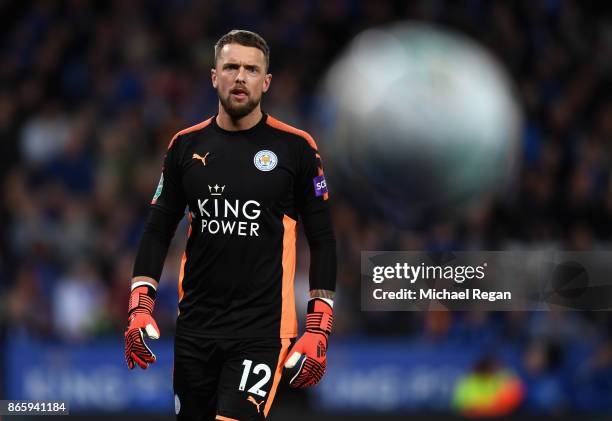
244,192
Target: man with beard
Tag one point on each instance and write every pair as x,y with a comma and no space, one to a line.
246,178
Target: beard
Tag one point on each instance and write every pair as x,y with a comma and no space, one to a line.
238,110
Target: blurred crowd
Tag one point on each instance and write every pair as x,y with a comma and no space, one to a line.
92,92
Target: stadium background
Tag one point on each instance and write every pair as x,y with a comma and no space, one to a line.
91,93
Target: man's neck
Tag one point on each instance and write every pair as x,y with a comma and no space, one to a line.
244,123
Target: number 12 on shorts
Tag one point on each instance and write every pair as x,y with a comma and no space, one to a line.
256,388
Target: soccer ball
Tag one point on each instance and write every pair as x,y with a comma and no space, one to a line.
423,123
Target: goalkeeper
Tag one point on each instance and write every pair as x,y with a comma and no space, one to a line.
246,179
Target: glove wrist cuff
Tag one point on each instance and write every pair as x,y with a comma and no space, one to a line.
142,300
320,317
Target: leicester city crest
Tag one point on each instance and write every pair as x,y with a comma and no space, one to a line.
265,160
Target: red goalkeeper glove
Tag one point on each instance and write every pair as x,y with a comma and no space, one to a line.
140,325
307,359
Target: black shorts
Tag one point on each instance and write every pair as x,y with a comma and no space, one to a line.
226,379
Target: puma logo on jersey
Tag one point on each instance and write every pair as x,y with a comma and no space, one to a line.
201,158
254,402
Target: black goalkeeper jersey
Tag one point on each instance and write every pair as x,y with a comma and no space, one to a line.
244,192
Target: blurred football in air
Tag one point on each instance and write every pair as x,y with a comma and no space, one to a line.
421,122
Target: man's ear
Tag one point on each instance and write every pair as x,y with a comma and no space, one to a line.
267,81
213,77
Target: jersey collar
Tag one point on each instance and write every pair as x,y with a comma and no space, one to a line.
259,124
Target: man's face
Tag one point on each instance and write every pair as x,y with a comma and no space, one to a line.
240,78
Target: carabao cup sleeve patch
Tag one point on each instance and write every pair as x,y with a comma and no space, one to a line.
320,185
158,192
